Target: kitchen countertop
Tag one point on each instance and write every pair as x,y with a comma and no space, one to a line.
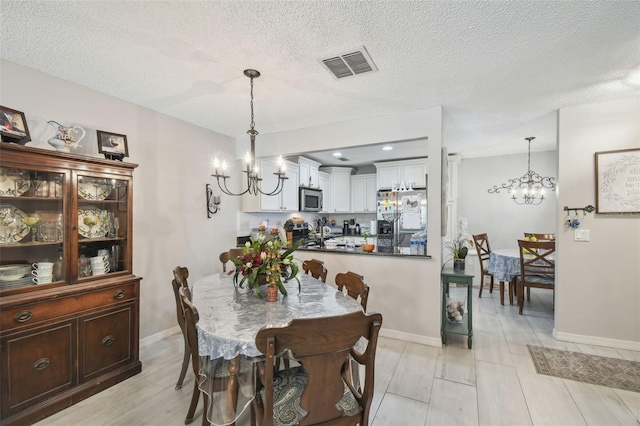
358,250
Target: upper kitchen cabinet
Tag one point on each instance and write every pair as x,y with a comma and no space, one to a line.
308,173
363,193
324,183
392,174
339,196
285,201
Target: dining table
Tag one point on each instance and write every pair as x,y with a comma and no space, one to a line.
230,318
504,265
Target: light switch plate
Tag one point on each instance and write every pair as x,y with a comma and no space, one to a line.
581,235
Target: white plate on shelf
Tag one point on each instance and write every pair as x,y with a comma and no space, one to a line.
13,183
94,189
88,215
12,226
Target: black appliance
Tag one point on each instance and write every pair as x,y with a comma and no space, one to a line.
310,200
299,231
385,227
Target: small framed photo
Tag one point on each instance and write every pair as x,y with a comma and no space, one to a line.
113,145
618,181
13,126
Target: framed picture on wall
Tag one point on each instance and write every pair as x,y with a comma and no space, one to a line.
13,126
113,145
618,181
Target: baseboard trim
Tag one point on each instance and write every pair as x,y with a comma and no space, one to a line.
409,337
159,336
596,341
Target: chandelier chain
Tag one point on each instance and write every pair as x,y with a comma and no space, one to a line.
253,124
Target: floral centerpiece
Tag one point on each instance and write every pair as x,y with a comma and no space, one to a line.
264,262
460,246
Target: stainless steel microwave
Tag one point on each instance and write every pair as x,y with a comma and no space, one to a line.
310,200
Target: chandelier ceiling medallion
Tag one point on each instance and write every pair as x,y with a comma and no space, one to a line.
528,189
253,175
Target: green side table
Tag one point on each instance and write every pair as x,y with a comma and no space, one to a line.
451,276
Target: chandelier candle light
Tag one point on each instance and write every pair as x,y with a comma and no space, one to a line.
253,175
531,184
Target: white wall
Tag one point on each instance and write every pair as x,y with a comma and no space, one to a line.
496,214
170,225
598,291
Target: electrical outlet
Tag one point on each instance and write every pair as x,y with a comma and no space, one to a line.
581,235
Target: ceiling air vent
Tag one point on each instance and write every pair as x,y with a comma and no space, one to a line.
343,159
354,62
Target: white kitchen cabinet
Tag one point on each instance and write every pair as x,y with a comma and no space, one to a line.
308,170
286,200
324,183
340,194
410,172
364,190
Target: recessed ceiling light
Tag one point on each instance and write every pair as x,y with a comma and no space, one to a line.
387,148
337,154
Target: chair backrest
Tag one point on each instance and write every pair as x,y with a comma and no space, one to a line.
541,237
535,258
355,286
180,275
323,345
226,256
191,318
316,268
481,241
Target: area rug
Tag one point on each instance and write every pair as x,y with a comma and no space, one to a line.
593,369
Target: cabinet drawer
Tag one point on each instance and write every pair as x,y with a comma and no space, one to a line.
37,365
42,311
105,341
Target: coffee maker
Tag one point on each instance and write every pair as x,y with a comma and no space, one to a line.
385,227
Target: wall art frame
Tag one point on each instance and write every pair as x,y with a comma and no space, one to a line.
114,146
13,126
618,181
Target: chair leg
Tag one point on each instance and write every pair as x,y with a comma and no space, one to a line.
194,403
529,294
520,293
502,292
205,409
481,285
491,285
512,285
185,362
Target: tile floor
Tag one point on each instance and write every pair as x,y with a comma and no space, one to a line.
494,383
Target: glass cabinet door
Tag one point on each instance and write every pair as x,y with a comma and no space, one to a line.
32,224
102,226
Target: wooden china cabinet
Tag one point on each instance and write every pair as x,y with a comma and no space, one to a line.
64,340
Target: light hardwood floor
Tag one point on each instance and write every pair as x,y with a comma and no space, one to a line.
494,383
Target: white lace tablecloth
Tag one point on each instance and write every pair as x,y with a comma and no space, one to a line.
230,317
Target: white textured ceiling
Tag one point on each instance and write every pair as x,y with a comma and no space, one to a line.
500,70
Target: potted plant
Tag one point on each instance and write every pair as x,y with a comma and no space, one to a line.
266,265
366,246
459,247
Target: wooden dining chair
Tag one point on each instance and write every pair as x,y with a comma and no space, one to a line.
220,376
355,286
316,392
541,237
180,276
316,269
226,256
537,268
481,241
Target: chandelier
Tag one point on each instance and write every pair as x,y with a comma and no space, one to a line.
528,189
251,170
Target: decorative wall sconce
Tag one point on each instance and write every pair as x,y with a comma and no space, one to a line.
213,203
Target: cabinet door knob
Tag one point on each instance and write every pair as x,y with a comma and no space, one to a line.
119,294
23,316
41,364
108,341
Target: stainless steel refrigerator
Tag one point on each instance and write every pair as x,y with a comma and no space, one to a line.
400,214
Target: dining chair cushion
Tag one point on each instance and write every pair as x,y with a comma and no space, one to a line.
288,386
540,279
